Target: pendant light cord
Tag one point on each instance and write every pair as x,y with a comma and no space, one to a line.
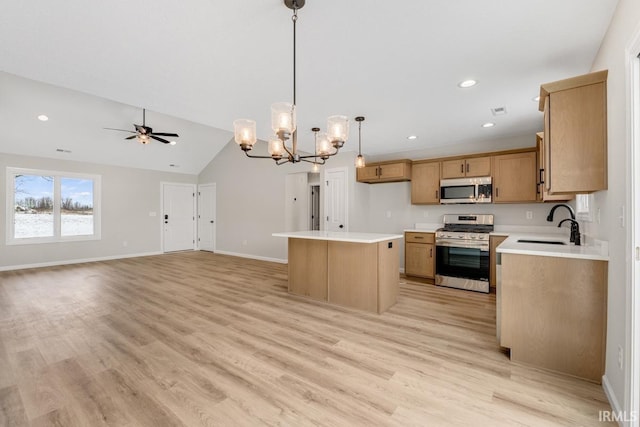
360,138
294,18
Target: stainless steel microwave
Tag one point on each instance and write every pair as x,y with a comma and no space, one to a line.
466,190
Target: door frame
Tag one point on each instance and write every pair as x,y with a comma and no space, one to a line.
632,383
195,210
326,195
215,224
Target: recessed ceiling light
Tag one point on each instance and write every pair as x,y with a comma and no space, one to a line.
412,137
488,125
172,143
43,118
467,83
536,98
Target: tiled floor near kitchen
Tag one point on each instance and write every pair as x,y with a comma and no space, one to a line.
201,339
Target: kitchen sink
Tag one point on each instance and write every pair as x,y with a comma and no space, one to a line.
546,242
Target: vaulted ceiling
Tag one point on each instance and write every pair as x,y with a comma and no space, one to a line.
197,65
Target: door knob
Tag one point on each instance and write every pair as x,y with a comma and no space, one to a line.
341,226
211,222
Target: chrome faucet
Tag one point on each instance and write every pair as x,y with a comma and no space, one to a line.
575,227
575,230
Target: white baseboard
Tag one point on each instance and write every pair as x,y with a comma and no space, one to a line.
75,261
608,391
258,257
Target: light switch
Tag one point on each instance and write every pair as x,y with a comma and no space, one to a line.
152,214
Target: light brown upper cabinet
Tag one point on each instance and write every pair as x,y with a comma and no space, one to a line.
425,183
514,177
543,194
392,171
575,134
473,166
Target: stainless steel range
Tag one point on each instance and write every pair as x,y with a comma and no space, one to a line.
462,252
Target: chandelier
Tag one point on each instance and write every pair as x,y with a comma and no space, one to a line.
283,123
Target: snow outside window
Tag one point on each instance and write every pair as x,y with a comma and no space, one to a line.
46,206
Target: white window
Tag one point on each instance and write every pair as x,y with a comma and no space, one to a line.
47,206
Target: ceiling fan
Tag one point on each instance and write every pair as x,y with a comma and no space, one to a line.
144,133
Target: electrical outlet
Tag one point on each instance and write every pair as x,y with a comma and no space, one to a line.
125,244
529,214
388,214
425,214
244,243
620,357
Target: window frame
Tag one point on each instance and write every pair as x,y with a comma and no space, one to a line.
57,237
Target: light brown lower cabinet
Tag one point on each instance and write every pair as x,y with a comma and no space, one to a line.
419,255
553,313
364,276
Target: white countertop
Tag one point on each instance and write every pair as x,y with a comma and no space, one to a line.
594,250
340,236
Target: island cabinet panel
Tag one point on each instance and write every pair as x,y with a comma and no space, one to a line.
361,273
352,280
308,268
554,313
388,274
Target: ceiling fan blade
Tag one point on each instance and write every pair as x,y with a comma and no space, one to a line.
175,135
159,139
131,137
121,130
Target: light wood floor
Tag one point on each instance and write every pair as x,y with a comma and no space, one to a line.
201,339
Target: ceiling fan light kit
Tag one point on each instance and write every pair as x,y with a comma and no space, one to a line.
283,124
144,134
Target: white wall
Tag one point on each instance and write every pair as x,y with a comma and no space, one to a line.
128,195
296,204
250,202
624,25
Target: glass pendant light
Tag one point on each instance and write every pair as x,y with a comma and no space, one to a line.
360,159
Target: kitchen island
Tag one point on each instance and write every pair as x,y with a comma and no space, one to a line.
356,270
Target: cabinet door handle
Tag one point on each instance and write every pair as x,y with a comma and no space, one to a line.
380,169
437,195
418,237
430,252
462,168
541,173
497,192
467,167
377,171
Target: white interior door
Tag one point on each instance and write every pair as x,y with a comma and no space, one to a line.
178,217
335,200
207,217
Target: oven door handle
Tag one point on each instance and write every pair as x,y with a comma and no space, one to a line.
466,245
